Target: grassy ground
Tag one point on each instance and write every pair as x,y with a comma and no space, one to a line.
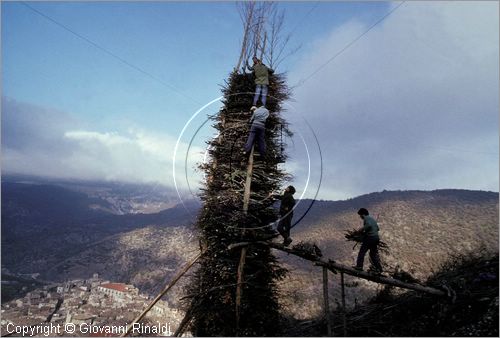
472,312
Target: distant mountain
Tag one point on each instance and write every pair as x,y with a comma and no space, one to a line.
44,224
422,229
114,197
418,226
73,230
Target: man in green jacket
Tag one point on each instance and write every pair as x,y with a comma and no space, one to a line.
370,241
261,72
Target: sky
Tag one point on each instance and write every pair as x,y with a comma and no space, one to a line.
122,91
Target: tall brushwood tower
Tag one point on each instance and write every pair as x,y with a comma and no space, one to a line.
234,292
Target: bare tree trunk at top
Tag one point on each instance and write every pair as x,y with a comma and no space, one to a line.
247,15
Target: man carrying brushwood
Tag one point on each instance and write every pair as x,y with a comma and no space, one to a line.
261,72
257,130
286,213
370,241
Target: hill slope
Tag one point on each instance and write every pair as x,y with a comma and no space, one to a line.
473,311
43,225
422,229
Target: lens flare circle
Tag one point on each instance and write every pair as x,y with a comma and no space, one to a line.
183,131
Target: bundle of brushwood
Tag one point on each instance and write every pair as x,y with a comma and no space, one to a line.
213,305
356,235
308,249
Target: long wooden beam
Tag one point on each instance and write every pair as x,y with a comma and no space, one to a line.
243,254
343,302
326,303
185,321
163,292
334,267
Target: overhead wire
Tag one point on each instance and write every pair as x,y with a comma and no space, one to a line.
350,44
301,21
173,88
112,54
302,81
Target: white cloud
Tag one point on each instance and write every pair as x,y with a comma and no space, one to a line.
137,156
107,139
44,142
413,104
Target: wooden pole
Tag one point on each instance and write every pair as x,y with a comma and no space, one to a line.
183,324
343,302
241,265
326,303
163,292
248,182
239,288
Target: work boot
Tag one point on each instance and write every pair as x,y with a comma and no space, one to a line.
375,270
359,268
287,241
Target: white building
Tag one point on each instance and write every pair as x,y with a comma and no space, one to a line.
119,292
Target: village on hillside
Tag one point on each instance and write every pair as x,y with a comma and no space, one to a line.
88,307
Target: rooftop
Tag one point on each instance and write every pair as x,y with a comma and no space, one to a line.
116,286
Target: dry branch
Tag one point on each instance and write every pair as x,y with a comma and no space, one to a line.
357,236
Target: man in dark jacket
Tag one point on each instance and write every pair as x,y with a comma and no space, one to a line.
370,241
286,213
261,72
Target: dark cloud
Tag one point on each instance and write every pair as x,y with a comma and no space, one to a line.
33,139
46,142
411,105
31,128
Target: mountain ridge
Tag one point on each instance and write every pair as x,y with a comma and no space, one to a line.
147,249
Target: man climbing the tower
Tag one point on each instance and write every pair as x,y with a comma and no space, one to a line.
261,72
370,241
286,213
257,130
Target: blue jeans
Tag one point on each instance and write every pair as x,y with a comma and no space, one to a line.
258,90
256,135
369,243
